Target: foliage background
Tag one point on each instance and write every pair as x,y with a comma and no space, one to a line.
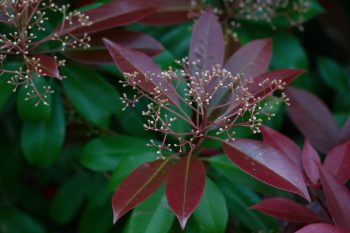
60,164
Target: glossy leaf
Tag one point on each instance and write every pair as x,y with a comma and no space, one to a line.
152,216
92,96
185,186
268,165
338,162
252,59
311,162
321,228
98,53
313,119
104,153
207,46
286,209
131,61
139,185
41,142
282,143
110,15
337,198
211,213
47,66
169,12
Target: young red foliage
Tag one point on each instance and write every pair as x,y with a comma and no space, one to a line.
311,162
321,228
338,162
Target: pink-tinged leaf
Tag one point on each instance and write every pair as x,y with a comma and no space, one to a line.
267,164
47,66
283,144
311,162
207,48
110,15
80,3
321,228
139,185
286,209
338,162
169,12
130,61
337,198
185,186
252,59
98,53
345,132
313,119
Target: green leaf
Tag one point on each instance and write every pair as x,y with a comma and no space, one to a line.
92,96
29,110
98,193
211,213
15,221
333,74
6,89
152,216
104,153
98,219
42,141
239,200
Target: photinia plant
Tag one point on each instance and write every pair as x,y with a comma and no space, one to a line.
330,198
209,97
39,32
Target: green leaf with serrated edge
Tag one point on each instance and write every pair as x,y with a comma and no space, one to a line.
30,110
68,200
41,142
13,220
104,153
91,95
152,216
211,213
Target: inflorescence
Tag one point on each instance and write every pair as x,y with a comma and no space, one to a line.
213,103
25,20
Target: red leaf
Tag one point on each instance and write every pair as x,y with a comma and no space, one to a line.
311,162
345,132
48,66
139,185
130,61
337,197
207,48
113,14
285,209
185,186
98,53
267,164
338,162
252,59
169,12
313,119
283,144
321,228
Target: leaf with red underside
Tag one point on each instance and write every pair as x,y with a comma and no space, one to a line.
139,185
337,198
286,209
313,119
252,59
345,132
98,53
169,12
114,14
338,162
48,66
207,48
267,164
311,162
321,228
185,186
282,143
130,61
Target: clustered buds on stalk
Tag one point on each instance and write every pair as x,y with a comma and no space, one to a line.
25,20
210,101
232,11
